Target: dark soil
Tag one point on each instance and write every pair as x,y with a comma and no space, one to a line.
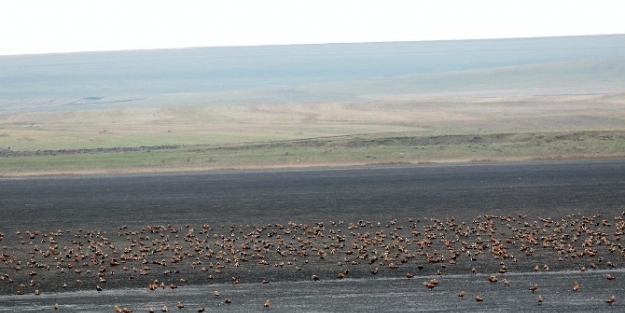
128,231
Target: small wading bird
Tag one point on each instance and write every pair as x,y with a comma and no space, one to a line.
540,300
430,284
479,298
267,304
462,293
533,288
122,310
576,286
611,300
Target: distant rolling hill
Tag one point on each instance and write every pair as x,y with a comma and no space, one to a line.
570,77
309,73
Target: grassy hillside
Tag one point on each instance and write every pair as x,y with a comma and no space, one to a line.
247,107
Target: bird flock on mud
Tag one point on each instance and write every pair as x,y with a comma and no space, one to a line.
166,257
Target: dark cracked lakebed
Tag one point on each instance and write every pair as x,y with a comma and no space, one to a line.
258,236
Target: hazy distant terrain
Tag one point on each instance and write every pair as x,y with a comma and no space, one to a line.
283,73
219,97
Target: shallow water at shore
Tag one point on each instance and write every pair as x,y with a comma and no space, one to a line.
356,295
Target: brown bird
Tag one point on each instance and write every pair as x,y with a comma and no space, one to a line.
610,300
462,293
492,278
200,310
540,300
609,277
576,286
506,282
227,301
430,284
122,310
164,308
314,277
56,306
479,298
533,288
98,288
267,304
179,305
216,293
409,275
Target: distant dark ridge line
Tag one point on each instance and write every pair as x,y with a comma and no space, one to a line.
349,141
91,101
357,140
353,141
27,153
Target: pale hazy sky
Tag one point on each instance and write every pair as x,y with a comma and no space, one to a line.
47,26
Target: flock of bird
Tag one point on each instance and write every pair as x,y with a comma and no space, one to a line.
162,257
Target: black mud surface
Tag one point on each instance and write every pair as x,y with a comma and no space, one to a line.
71,234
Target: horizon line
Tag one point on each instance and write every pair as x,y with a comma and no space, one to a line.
309,44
